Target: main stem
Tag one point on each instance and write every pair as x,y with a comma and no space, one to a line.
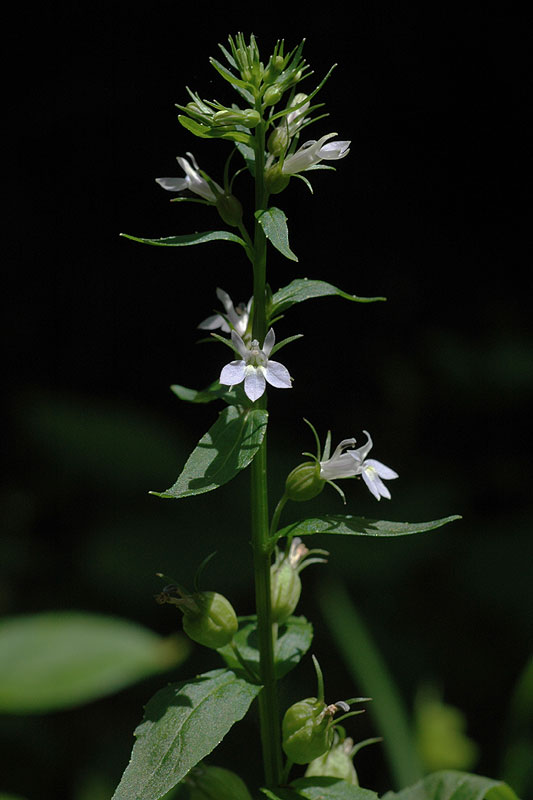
268,698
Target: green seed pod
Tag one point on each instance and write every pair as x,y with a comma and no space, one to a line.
307,730
209,619
285,590
275,180
336,763
278,141
229,209
304,482
216,783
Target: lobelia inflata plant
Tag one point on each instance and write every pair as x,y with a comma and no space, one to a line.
184,722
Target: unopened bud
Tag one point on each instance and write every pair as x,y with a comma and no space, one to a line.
248,118
285,590
278,141
272,95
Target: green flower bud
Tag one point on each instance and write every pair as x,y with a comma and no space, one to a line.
278,141
336,763
275,180
304,482
272,95
209,619
249,118
307,730
229,209
216,783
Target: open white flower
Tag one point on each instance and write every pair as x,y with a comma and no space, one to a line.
349,463
255,368
237,316
372,471
192,180
314,151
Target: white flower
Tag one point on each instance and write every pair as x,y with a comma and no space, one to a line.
314,151
192,180
238,317
347,463
255,368
295,119
372,471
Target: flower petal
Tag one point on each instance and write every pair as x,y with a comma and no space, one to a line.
268,344
233,373
173,184
254,383
375,484
383,471
277,375
239,344
214,321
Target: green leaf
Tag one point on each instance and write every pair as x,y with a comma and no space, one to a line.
294,640
188,239
63,659
302,289
182,724
226,449
274,224
320,788
451,785
213,392
346,525
323,788
208,132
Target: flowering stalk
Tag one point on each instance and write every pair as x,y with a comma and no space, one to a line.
268,699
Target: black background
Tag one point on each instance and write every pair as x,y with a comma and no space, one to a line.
429,209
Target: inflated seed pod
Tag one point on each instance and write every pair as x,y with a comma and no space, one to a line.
209,619
307,730
336,763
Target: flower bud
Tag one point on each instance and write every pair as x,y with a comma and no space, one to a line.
229,209
307,730
275,180
216,783
249,118
278,140
272,95
209,619
304,482
336,763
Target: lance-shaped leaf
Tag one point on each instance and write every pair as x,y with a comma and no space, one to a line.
293,642
58,660
304,289
227,448
209,132
347,525
274,224
182,724
452,785
214,391
189,239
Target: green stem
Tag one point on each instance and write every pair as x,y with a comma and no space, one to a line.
268,699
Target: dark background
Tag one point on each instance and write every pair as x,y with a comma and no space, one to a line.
429,209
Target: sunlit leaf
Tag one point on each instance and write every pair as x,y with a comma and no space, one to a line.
189,239
302,289
227,448
182,724
451,785
274,224
294,639
62,659
347,525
